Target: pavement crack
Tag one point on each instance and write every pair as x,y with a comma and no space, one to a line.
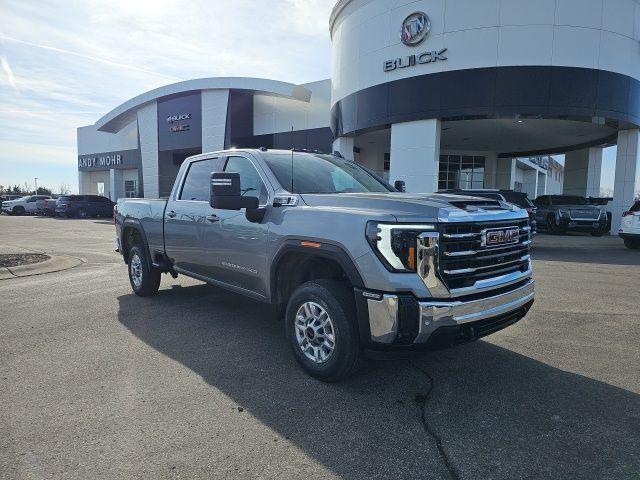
422,401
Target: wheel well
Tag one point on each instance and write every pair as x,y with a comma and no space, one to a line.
130,237
297,268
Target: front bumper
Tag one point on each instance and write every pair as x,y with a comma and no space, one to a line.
442,323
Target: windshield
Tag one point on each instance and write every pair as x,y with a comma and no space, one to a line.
321,174
569,200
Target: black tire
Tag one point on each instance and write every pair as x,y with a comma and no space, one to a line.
82,213
632,243
145,282
18,211
336,298
552,227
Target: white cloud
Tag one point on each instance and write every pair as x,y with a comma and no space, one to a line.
8,76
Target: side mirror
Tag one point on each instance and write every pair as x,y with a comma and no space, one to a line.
225,193
400,186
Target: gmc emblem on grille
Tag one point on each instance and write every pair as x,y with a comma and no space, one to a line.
500,236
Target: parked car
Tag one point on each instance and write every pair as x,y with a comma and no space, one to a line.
83,206
8,197
41,204
603,202
350,262
22,206
520,199
561,213
630,227
48,207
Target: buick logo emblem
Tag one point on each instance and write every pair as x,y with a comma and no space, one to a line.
415,29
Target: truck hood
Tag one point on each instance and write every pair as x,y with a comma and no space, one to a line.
418,207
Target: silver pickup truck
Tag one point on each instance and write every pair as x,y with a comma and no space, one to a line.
350,262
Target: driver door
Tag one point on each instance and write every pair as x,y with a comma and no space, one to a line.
242,249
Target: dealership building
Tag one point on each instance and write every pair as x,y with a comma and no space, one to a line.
436,93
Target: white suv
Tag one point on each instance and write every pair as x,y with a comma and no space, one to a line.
630,228
22,206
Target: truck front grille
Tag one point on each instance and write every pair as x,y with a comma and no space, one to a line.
463,260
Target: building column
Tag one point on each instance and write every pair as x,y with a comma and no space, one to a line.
530,183
83,179
582,172
148,135
214,119
506,173
344,146
491,170
542,184
415,155
116,184
627,181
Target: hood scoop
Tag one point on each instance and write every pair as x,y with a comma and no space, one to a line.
477,205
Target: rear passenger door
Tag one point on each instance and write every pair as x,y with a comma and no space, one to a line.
188,229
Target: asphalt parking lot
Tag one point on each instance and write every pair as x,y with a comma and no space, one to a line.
199,383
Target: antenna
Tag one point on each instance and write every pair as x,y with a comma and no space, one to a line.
291,158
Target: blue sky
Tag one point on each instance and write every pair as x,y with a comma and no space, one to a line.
64,64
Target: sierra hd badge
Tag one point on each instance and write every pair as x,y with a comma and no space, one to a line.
415,29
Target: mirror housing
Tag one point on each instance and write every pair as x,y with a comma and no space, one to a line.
400,186
225,193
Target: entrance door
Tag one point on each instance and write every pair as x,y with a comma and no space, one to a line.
242,249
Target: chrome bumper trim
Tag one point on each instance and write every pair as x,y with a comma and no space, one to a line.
438,314
383,313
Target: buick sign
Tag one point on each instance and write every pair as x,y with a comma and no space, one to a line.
415,29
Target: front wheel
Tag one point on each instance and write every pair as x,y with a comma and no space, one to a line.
144,278
321,327
18,211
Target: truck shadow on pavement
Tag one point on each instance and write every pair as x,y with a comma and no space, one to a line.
487,412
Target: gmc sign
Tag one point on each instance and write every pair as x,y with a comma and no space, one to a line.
500,236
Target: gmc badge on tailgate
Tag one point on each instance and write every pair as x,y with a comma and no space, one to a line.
500,236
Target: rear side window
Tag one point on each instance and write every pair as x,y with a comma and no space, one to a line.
196,184
636,207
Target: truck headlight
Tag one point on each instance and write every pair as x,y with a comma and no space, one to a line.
395,244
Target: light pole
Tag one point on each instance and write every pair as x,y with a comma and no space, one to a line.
36,179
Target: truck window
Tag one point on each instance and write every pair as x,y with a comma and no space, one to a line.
196,184
251,184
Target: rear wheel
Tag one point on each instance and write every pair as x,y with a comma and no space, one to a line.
144,277
632,243
82,213
321,327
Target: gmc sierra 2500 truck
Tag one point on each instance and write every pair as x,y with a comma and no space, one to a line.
352,263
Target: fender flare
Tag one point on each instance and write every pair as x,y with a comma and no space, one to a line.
136,225
326,250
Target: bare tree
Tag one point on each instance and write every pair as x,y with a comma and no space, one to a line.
27,188
64,189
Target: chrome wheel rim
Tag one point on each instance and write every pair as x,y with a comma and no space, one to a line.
314,332
135,268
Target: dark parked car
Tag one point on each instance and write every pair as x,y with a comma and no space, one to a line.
559,213
83,206
520,199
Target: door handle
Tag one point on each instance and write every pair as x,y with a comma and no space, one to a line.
171,214
213,218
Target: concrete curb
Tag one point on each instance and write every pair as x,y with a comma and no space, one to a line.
56,263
